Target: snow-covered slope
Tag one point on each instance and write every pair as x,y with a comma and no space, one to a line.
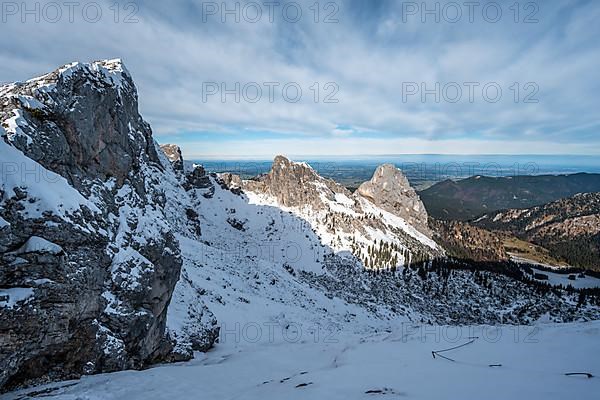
380,237
501,363
260,260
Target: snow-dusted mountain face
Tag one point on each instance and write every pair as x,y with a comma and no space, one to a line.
389,189
293,247
88,255
173,153
384,224
115,254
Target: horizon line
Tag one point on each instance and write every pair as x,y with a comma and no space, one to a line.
270,157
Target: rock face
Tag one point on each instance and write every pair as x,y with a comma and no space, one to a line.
88,254
173,153
390,190
348,221
295,184
87,118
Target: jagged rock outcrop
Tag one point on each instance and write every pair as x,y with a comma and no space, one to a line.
81,173
390,190
173,153
190,178
197,178
295,184
231,181
351,221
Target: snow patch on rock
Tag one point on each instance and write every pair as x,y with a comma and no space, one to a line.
37,244
9,298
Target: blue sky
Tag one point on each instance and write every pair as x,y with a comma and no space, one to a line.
371,61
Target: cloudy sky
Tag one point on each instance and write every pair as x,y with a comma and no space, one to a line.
354,77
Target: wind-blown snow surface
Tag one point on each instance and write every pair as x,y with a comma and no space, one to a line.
529,363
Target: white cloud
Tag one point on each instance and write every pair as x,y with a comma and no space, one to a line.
171,53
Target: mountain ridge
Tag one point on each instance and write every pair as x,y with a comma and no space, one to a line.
472,197
296,185
569,228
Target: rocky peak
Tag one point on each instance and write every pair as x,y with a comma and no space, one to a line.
85,178
173,153
295,184
80,120
390,190
285,169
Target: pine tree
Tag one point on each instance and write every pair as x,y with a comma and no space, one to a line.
581,301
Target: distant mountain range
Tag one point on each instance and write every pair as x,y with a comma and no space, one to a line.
472,197
569,228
